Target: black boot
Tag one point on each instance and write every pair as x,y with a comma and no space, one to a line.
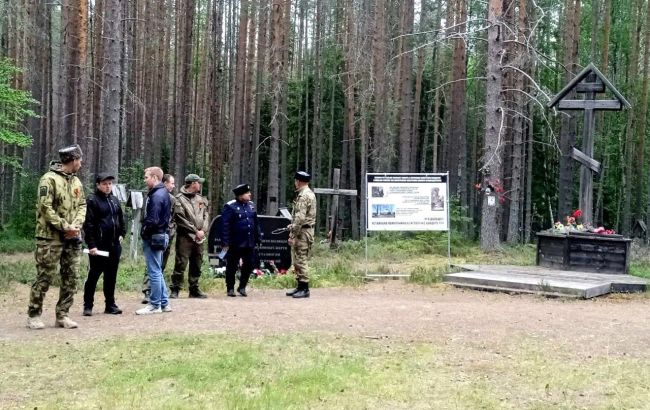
197,294
303,292
113,310
296,290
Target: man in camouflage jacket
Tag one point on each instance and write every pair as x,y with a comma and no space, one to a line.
301,232
60,214
192,222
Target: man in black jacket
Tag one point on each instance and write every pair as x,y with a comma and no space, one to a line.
104,230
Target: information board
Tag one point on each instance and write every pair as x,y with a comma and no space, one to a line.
407,202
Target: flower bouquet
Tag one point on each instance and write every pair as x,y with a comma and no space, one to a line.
573,223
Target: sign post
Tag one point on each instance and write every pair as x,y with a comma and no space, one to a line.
407,202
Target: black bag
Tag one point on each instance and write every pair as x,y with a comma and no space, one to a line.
159,241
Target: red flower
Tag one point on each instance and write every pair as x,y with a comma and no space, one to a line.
577,213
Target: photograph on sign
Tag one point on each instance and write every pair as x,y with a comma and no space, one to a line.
407,202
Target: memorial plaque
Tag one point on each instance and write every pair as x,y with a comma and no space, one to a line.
274,247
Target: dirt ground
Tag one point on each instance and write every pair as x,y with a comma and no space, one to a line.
614,325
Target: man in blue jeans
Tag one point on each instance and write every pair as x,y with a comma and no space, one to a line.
155,238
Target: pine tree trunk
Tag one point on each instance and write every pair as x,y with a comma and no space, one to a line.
494,114
406,89
262,44
633,70
382,152
111,83
240,91
643,113
278,71
518,140
74,28
183,86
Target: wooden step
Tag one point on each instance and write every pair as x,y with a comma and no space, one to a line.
531,283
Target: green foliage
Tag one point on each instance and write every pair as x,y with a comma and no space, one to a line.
14,109
132,175
22,217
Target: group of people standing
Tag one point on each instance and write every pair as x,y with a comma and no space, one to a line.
63,214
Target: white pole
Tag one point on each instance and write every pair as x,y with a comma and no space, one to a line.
449,225
365,186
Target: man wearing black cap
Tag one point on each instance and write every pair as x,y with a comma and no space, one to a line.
60,213
301,233
240,233
104,230
192,220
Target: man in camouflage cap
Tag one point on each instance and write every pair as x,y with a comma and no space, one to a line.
192,222
60,214
301,232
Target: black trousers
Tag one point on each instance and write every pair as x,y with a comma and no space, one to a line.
232,264
107,266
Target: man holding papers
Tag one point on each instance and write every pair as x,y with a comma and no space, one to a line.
104,230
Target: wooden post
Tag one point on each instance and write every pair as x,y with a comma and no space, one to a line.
586,175
335,192
589,82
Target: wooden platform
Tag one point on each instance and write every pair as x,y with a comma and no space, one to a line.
543,281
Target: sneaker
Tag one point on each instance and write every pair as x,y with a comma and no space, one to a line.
88,312
35,323
166,309
65,322
242,291
231,293
148,310
113,310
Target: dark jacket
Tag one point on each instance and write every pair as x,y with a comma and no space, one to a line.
104,222
157,212
240,228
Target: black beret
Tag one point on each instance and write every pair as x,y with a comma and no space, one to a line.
302,176
103,176
70,153
241,189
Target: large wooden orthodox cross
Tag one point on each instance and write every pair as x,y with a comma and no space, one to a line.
335,192
589,82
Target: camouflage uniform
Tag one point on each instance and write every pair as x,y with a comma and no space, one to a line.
191,215
61,206
301,230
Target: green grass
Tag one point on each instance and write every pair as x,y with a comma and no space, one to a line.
314,371
10,244
640,268
421,255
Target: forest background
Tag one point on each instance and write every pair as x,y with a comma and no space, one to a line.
251,90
